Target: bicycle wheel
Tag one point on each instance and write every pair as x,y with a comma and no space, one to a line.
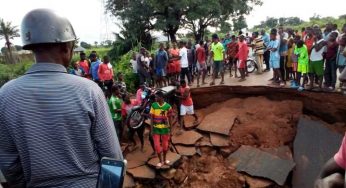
135,119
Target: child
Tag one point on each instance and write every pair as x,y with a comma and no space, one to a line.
317,60
115,104
77,70
126,109
161,113
120,83
303,62
330,67
341,58
294,60
242,57
274,61
201,64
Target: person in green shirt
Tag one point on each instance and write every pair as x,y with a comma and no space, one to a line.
218,55
114,104
161,119
303,63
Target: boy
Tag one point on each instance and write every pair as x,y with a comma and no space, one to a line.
317,60
303,62
330,69
114,104
293,60
341,59
242,57
258,45
186,106
232,50
160,127
201,64
274,60
217,54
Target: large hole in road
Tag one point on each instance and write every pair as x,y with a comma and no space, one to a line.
235,122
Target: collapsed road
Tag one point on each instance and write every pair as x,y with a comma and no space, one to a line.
248,137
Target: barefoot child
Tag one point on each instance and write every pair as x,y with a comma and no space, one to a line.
161,113
274,61
303,63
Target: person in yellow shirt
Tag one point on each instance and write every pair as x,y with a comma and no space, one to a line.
218,56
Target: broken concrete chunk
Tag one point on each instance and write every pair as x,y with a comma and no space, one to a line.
134,164
258,182
172,157
168,174
219,140
142,172
314,145
261,164
220,121
284,152
129,182
186,138
185,150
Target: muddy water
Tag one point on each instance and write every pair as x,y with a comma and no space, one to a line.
266,118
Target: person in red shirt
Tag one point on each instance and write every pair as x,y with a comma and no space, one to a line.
309,40
186,106
232,50
174,58
201,63
105,74
242,57
84,64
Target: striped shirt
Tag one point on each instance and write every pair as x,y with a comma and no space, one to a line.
55,127
258,46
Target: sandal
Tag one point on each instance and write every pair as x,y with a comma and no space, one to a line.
159,165
167,162
221,83
212,83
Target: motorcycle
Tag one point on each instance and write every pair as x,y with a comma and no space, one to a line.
140,113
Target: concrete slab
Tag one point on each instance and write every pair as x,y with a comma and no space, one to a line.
219,140
205,141
142,172
186,138
284,152
134,163
261,164
314,145
225,119
185,150
129,182
168,174
172,157
258,182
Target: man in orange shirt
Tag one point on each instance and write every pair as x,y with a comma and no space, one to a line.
105,74
84,64
186,106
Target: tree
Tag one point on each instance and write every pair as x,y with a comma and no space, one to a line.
85,45
7,32
239,23
95,43
211,13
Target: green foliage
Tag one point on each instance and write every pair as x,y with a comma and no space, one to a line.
12,71
85,45
296,23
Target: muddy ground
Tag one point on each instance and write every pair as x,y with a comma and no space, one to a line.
259,122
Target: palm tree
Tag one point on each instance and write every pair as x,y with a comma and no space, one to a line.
7,32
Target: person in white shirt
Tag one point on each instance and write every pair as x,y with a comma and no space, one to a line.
317,60
184,63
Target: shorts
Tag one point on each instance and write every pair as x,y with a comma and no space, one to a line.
316,67
161,139
177,67
160,72
241,64
186,110
274,63
218,66
294,67
303,68
201,66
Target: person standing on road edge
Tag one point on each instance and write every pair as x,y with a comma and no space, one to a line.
161,113
218,57
242,57
55,127
201,63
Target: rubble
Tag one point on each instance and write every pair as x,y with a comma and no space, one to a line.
186,138
185,150
142,172
219,140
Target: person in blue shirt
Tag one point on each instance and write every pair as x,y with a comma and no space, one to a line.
266,55
226,41
274,61
94,68
283,52
160,64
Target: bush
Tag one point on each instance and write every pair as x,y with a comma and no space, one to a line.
12,71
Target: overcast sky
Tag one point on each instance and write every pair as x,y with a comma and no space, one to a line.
90,23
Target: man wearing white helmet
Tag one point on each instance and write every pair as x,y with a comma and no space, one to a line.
55,127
